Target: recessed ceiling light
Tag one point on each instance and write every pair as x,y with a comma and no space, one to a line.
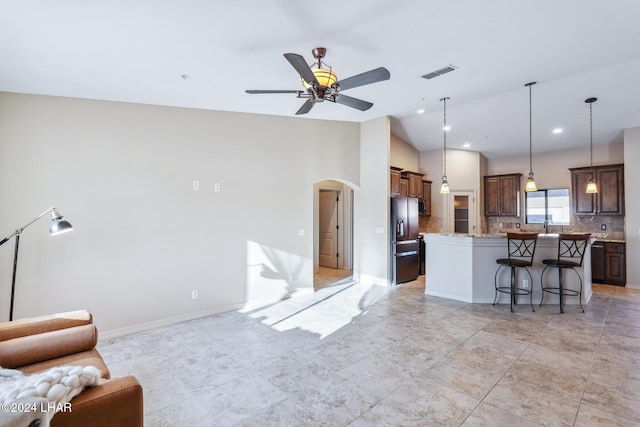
466,145
420,111
557,130
446,128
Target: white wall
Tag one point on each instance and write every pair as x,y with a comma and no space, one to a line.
551,169
464,174
403,155
373,204
122,175
632,205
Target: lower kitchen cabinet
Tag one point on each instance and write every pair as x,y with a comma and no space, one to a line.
608,263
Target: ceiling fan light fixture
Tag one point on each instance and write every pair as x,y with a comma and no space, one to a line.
326,78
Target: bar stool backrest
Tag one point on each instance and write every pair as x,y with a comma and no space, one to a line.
522,246
571,248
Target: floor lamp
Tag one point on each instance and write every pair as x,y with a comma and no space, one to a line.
58,226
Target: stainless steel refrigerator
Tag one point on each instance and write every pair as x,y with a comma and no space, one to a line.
405,262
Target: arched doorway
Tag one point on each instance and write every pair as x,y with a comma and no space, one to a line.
333,233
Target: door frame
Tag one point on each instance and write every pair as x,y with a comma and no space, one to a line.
345,219
337,205
449,210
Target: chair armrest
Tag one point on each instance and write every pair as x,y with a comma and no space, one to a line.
115,402
22,351
41,324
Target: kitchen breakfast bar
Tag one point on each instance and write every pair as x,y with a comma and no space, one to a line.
463,267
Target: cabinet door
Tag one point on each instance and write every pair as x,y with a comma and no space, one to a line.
583,203
395,182
426,197
510,195
610,191
491,196
404,187
614,263
415,182
614,268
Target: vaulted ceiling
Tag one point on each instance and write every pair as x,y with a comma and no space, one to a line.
206,53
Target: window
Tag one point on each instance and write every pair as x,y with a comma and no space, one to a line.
550,205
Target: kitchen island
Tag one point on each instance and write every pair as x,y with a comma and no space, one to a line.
463,266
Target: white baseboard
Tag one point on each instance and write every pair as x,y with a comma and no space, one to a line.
113,333
636,287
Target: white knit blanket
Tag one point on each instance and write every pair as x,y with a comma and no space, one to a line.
58,385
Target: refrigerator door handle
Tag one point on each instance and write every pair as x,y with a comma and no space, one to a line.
400,228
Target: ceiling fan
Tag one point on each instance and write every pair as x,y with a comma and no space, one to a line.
322,84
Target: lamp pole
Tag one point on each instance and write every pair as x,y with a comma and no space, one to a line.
58,226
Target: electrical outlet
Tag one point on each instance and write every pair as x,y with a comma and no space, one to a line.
196,185
525,283
216,187
194,294
603,227
500,225
517,225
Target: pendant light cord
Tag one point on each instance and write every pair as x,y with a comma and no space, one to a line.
530,133
444,134
591,136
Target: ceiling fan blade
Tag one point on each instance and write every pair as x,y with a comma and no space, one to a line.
366,78
252,91
301,66
353,102
306,107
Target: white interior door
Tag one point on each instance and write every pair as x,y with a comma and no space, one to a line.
328,229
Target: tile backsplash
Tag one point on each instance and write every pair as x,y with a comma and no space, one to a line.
579,224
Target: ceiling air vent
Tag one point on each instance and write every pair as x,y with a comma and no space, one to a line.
439,72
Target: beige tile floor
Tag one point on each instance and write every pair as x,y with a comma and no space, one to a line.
326,277
356,356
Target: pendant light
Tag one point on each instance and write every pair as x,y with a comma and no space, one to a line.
592,188
444,189
531,183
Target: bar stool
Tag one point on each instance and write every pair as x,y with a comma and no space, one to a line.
520,250
571,249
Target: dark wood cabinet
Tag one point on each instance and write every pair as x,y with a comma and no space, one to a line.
608,263
414,181
614,263
426,197
395,175
610,197
502,195
404,187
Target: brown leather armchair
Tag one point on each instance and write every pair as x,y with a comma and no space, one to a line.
39,343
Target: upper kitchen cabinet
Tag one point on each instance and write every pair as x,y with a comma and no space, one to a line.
610,197
395,180
414,180
502,195
426,197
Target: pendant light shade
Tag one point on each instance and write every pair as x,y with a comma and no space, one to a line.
444,188
531,183
592,187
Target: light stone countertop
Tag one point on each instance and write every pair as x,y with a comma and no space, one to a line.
504,235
